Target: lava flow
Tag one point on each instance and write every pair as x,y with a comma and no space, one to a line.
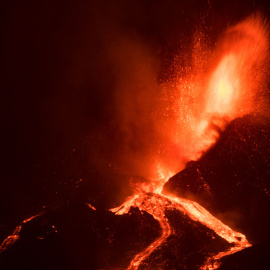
230,92
231,89
156,204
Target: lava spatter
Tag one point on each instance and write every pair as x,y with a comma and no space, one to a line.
232,89
230,92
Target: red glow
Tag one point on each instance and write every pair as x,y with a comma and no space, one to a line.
201,102
156,204
201,105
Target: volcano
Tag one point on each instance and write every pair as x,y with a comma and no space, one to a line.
231,179
136,135
155,231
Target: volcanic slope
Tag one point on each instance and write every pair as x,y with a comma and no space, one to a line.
232,179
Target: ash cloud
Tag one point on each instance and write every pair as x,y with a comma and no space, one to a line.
134,99
95,73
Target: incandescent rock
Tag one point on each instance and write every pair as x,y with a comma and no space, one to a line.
76,237
232,179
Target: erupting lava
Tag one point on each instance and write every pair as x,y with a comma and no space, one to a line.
223,88
229,93
156,204
202,103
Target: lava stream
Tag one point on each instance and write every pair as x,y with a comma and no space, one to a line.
155,204
15,236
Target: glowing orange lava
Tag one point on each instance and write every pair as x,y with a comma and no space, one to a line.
15,236
235,85
199,105
224,87
203,107
213,90
156,204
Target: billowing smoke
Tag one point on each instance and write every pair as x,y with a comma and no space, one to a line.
160,125
148,93
126,80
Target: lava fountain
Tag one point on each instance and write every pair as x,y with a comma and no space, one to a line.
232,89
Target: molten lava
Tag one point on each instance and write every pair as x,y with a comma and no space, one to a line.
204,106
224,87
156,204
202,112
15,236
213,90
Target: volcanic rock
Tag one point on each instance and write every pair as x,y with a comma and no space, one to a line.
76,237
255,257
232,179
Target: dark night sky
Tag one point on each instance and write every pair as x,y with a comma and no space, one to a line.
60,61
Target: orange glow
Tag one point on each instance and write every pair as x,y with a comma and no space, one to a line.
198,105
223,87
154,204
235,86
210,93
157,204
15,236
91,206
